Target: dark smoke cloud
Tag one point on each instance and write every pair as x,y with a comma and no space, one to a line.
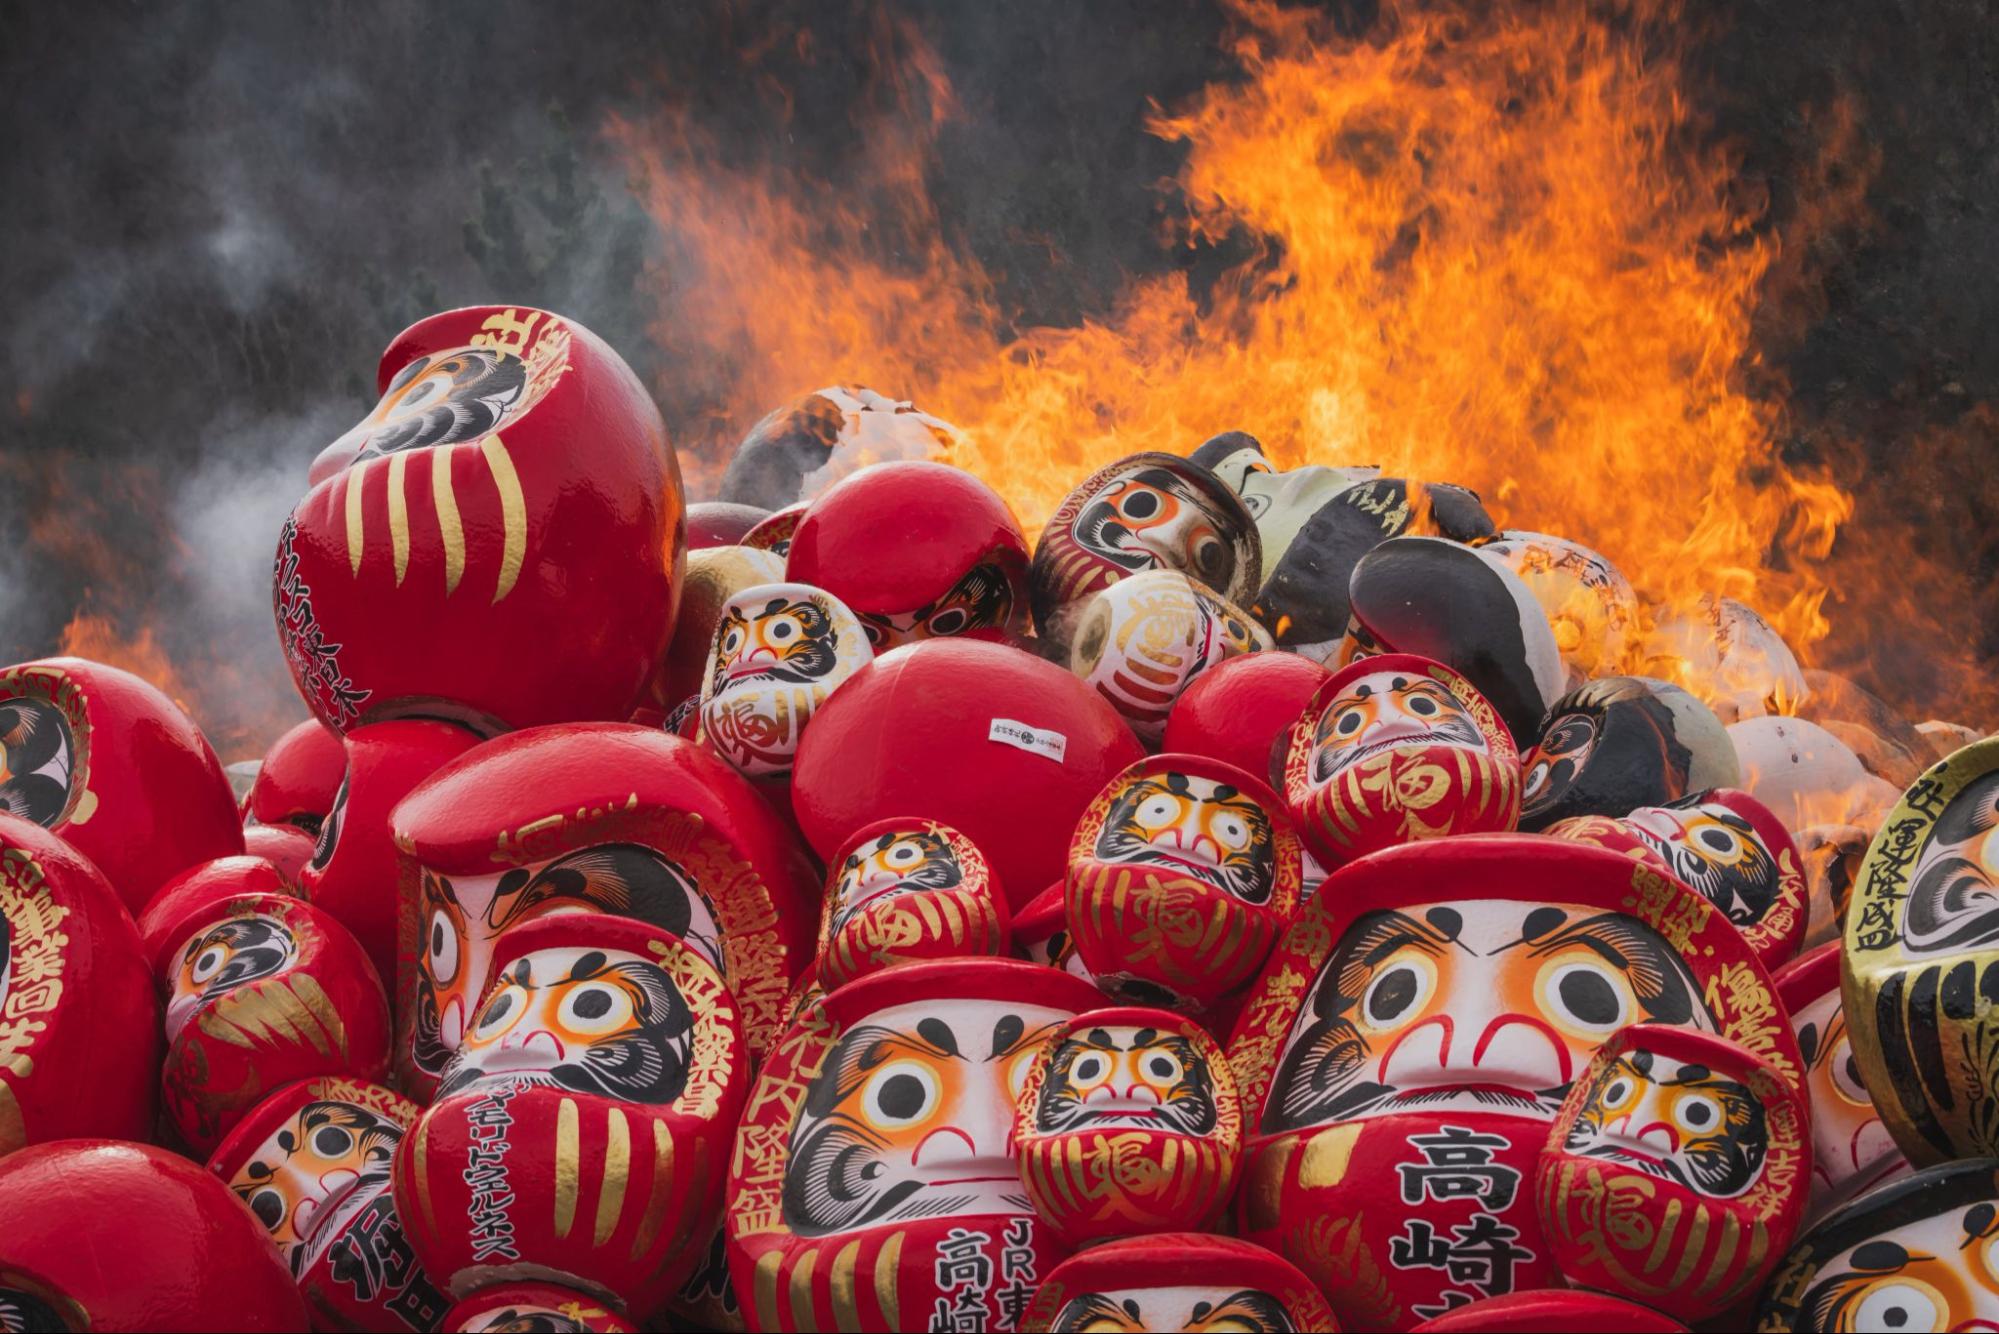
214,215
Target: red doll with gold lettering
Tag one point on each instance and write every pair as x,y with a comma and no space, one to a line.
904,890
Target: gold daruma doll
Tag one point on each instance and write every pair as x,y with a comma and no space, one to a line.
1129,1123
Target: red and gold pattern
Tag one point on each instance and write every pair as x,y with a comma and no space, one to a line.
266,991
1183,1280
533,1308
779,650
1398,1172
524,1165
1143,640
1129,1123
498,542
1395,749
1676,1173
940,1224
1181,875
79,1019
905,890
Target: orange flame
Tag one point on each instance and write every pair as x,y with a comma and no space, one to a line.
1497,249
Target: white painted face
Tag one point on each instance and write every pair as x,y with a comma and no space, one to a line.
1679,1121
223,956
911,1116
1196,827
1126,1077
1936,1273
778,651
1483,1005
1207,1307
901,861
1389,710
1848,1138
314,1173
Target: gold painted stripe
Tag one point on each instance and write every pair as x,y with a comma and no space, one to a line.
567,1153
399,514
660,1192
422,1174
1662,1241
13,1129
801,1292
320,1005
287,1004
513,513
764,1288
448,525
356,537
1724,1255
617,1177
846,1306
886,1291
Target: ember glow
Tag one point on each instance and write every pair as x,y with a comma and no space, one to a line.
1499,250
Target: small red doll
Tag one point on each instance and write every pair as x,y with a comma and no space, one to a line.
904,890
1178,1280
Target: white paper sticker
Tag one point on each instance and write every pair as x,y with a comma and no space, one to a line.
1049,745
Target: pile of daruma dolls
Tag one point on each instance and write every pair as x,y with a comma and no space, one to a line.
1263,905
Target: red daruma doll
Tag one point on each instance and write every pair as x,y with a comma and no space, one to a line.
1397,748
1181,1280
1413,1036
875,1183
1677,1172
904,890
582,1130
1181,875
1130,1123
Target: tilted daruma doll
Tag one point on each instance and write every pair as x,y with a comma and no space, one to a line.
1145,512
113,766
1851,1149
1677,1172
1143,640
312,1163
1181,875
589,817
499,541
1413,1035
581,1131
79,1019
1394,749
713,576
956,564
779,650
1728,847
1129,1123
1621,742
1178,1280
904,890
1919,1253
263,990
875,1183
1921,963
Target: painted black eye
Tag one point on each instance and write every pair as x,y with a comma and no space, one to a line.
1349,722
1395,994
332,1142
593,1004
783,631
1423,706
949,621
1139,505
1088,1069
269,1206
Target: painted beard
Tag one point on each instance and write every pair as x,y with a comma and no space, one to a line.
938,869
1450,729
1953,904
1722,859
1244,1311
483,386
1080,1091
36,752
1247,873
1700,1131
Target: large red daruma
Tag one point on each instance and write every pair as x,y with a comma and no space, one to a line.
499,541
111,764
1412,1038
79,1020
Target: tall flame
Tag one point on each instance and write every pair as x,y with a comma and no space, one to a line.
1494,247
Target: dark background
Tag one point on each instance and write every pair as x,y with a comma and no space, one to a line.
212,217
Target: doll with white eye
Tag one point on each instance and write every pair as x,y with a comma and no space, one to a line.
607,1058
1181,874
1851,1150
1677,1171
779,651
1393,749
1129,1124
1178,1280
904,890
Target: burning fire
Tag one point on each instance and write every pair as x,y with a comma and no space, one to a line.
1496,248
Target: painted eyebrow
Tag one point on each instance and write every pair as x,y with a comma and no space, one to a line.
1575,935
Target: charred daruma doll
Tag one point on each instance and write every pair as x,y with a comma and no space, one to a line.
1405,1053
79,1019
954,564
1728,847
1141,641
590,817
498,542
905,890
1919,1253
1619,743
1279,501
262,991
582,1130
1129,1123
1851,1149
113,766
779,650
1145,512
1591,606
70,1258
1178,1280
1677,1172
772,465
1182,874
1922,961
875,1183
1394,749
312,1163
